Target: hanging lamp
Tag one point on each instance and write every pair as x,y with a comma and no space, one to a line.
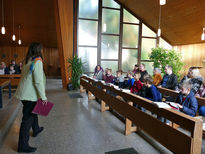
3,30
159,29
19,41
13,36
203,35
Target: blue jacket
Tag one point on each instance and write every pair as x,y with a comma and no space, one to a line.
153,94
131,82
190,104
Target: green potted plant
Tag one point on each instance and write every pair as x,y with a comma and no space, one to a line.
162,57
75,67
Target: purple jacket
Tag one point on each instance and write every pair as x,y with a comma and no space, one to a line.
108,79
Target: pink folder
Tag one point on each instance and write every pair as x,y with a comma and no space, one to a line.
41,109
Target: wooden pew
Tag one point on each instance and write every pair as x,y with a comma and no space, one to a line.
173,139
201,100
2,85
14,78
169,92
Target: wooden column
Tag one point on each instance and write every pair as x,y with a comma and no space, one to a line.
64,28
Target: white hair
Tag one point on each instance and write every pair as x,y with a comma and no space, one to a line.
187,84
195,73
158,70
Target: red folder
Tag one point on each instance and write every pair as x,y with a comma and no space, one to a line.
42,109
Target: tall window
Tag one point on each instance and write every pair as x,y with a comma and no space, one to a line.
88,33
130,41
109,35
149,41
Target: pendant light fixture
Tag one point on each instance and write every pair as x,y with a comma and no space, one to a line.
159,29
203,35
19,41
13,36
162,2
3,30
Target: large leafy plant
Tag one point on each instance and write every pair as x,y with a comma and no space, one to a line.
75,66
162,57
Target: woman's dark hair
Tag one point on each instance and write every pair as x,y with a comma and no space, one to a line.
96,68
34,51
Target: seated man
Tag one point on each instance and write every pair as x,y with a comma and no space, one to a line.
187,102
151,91
169,80
143,72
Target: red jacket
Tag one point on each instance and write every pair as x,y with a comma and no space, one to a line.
136,87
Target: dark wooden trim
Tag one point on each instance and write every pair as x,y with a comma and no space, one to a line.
99,31
110,8
130,23
146,60
148,37
120,40
110,34
109,60
139,44
88,46
129,48
88,19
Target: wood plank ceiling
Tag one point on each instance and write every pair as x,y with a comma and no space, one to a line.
37,19
181,22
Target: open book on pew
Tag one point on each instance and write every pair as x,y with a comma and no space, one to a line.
162,105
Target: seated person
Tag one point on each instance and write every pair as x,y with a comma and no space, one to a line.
187,102
169,80
2,68
151,91
157,78
201,93
186,77
13,63
136,69
119,80
137,84
143,72
98,74
108,77
130,82
12,70
196,80
20,67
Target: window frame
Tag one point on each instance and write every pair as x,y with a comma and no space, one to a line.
100,34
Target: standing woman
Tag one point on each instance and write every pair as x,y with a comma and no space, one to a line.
30,89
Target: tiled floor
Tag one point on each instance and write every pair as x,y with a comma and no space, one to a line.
76,126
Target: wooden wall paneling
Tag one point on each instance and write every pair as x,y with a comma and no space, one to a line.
192,55
64,26
50,55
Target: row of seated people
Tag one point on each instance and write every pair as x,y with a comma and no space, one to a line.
141,83
12,68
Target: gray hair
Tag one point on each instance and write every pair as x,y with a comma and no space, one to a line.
158,70
187,84
196,73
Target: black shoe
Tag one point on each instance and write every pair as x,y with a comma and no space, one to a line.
36,133
27,150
